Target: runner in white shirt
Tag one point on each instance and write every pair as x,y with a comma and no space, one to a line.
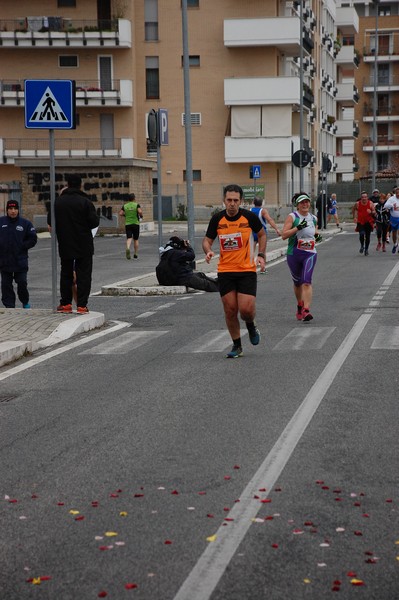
392,205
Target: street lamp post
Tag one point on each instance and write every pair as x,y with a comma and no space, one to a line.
374,161
301,95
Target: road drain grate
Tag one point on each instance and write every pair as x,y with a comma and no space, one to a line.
7,398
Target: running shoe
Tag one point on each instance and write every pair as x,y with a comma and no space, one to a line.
26,305
366,253
254,335
135,256
235,352
128,254
82,310
378,246
361,249
64,308
394,248
306,315
299,312
383,248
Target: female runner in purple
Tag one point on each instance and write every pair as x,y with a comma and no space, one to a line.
300,228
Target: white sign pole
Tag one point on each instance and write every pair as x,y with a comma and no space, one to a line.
53,228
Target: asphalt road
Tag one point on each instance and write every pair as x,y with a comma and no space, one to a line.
141,463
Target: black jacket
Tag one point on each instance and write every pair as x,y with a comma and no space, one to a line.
16,237
180,262
75,217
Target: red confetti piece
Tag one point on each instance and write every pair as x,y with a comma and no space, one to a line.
278,489
274,545
266,500
357,582
227,477
131,586
33,496
103,548
167,542
119,491
79,518
325,487
351,574
140,495
308,523
94,504
262,489
60,504
42,578
335,588
269,518
356,504
114,495
370,561
319,482
366,515
12,500
226,509
210,515
201,493
102,594
174,493
369,553
238,500
229,519
337,491
256,497
362,494
338,499
337,582
389,500
236,466
359,533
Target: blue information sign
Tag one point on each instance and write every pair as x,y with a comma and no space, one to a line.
50,104
254,172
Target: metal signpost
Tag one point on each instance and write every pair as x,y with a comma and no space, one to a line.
51,104
158,133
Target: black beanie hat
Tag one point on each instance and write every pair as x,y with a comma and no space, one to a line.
12,204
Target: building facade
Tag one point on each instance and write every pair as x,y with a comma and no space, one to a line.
266,78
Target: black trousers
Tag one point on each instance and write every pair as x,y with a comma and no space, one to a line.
364,230
7,290
199,281
83,268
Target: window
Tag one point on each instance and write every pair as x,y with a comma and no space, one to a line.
384,11
383,74
68,60
196,175
152,77
62,3
151,20
192,3
382,161
195,119
193,60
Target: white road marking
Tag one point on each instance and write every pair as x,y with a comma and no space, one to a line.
213,562
145,315
125,342
212,341
305,338
39,359
387,338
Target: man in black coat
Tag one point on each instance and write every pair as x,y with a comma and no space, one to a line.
175,267
17,235
75,217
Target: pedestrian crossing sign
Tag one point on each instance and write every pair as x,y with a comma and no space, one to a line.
50,104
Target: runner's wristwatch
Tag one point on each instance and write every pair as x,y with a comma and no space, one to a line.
262,255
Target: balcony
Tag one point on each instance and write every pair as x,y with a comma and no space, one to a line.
64,33
117,92
261,149
280,32
345,164
347,92
385,83
384,113
247,91
347,55
384,143
347,20
347,129
82,148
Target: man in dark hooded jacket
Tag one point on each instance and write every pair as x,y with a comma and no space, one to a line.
17,235
175,267
75,217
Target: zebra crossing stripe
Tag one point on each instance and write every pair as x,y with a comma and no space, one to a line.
125,342
305,338
387,338
213,341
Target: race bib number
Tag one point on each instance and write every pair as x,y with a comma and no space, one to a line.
230,242
307,245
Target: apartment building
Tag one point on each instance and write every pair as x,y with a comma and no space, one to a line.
377,147
265,78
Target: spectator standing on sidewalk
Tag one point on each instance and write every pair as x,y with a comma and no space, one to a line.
234,228
75,217
392,205
133,214
332,209
17,235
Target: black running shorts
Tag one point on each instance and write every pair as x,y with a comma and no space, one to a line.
243,283
132,231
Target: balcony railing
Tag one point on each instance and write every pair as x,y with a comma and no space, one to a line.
384,49
382,110
387,141
114,92
60,32
12,148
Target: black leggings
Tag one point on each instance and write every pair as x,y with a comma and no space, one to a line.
364,230
381,230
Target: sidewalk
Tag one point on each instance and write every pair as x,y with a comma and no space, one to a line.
23,332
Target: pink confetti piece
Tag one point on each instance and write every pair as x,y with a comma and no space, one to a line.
227,477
